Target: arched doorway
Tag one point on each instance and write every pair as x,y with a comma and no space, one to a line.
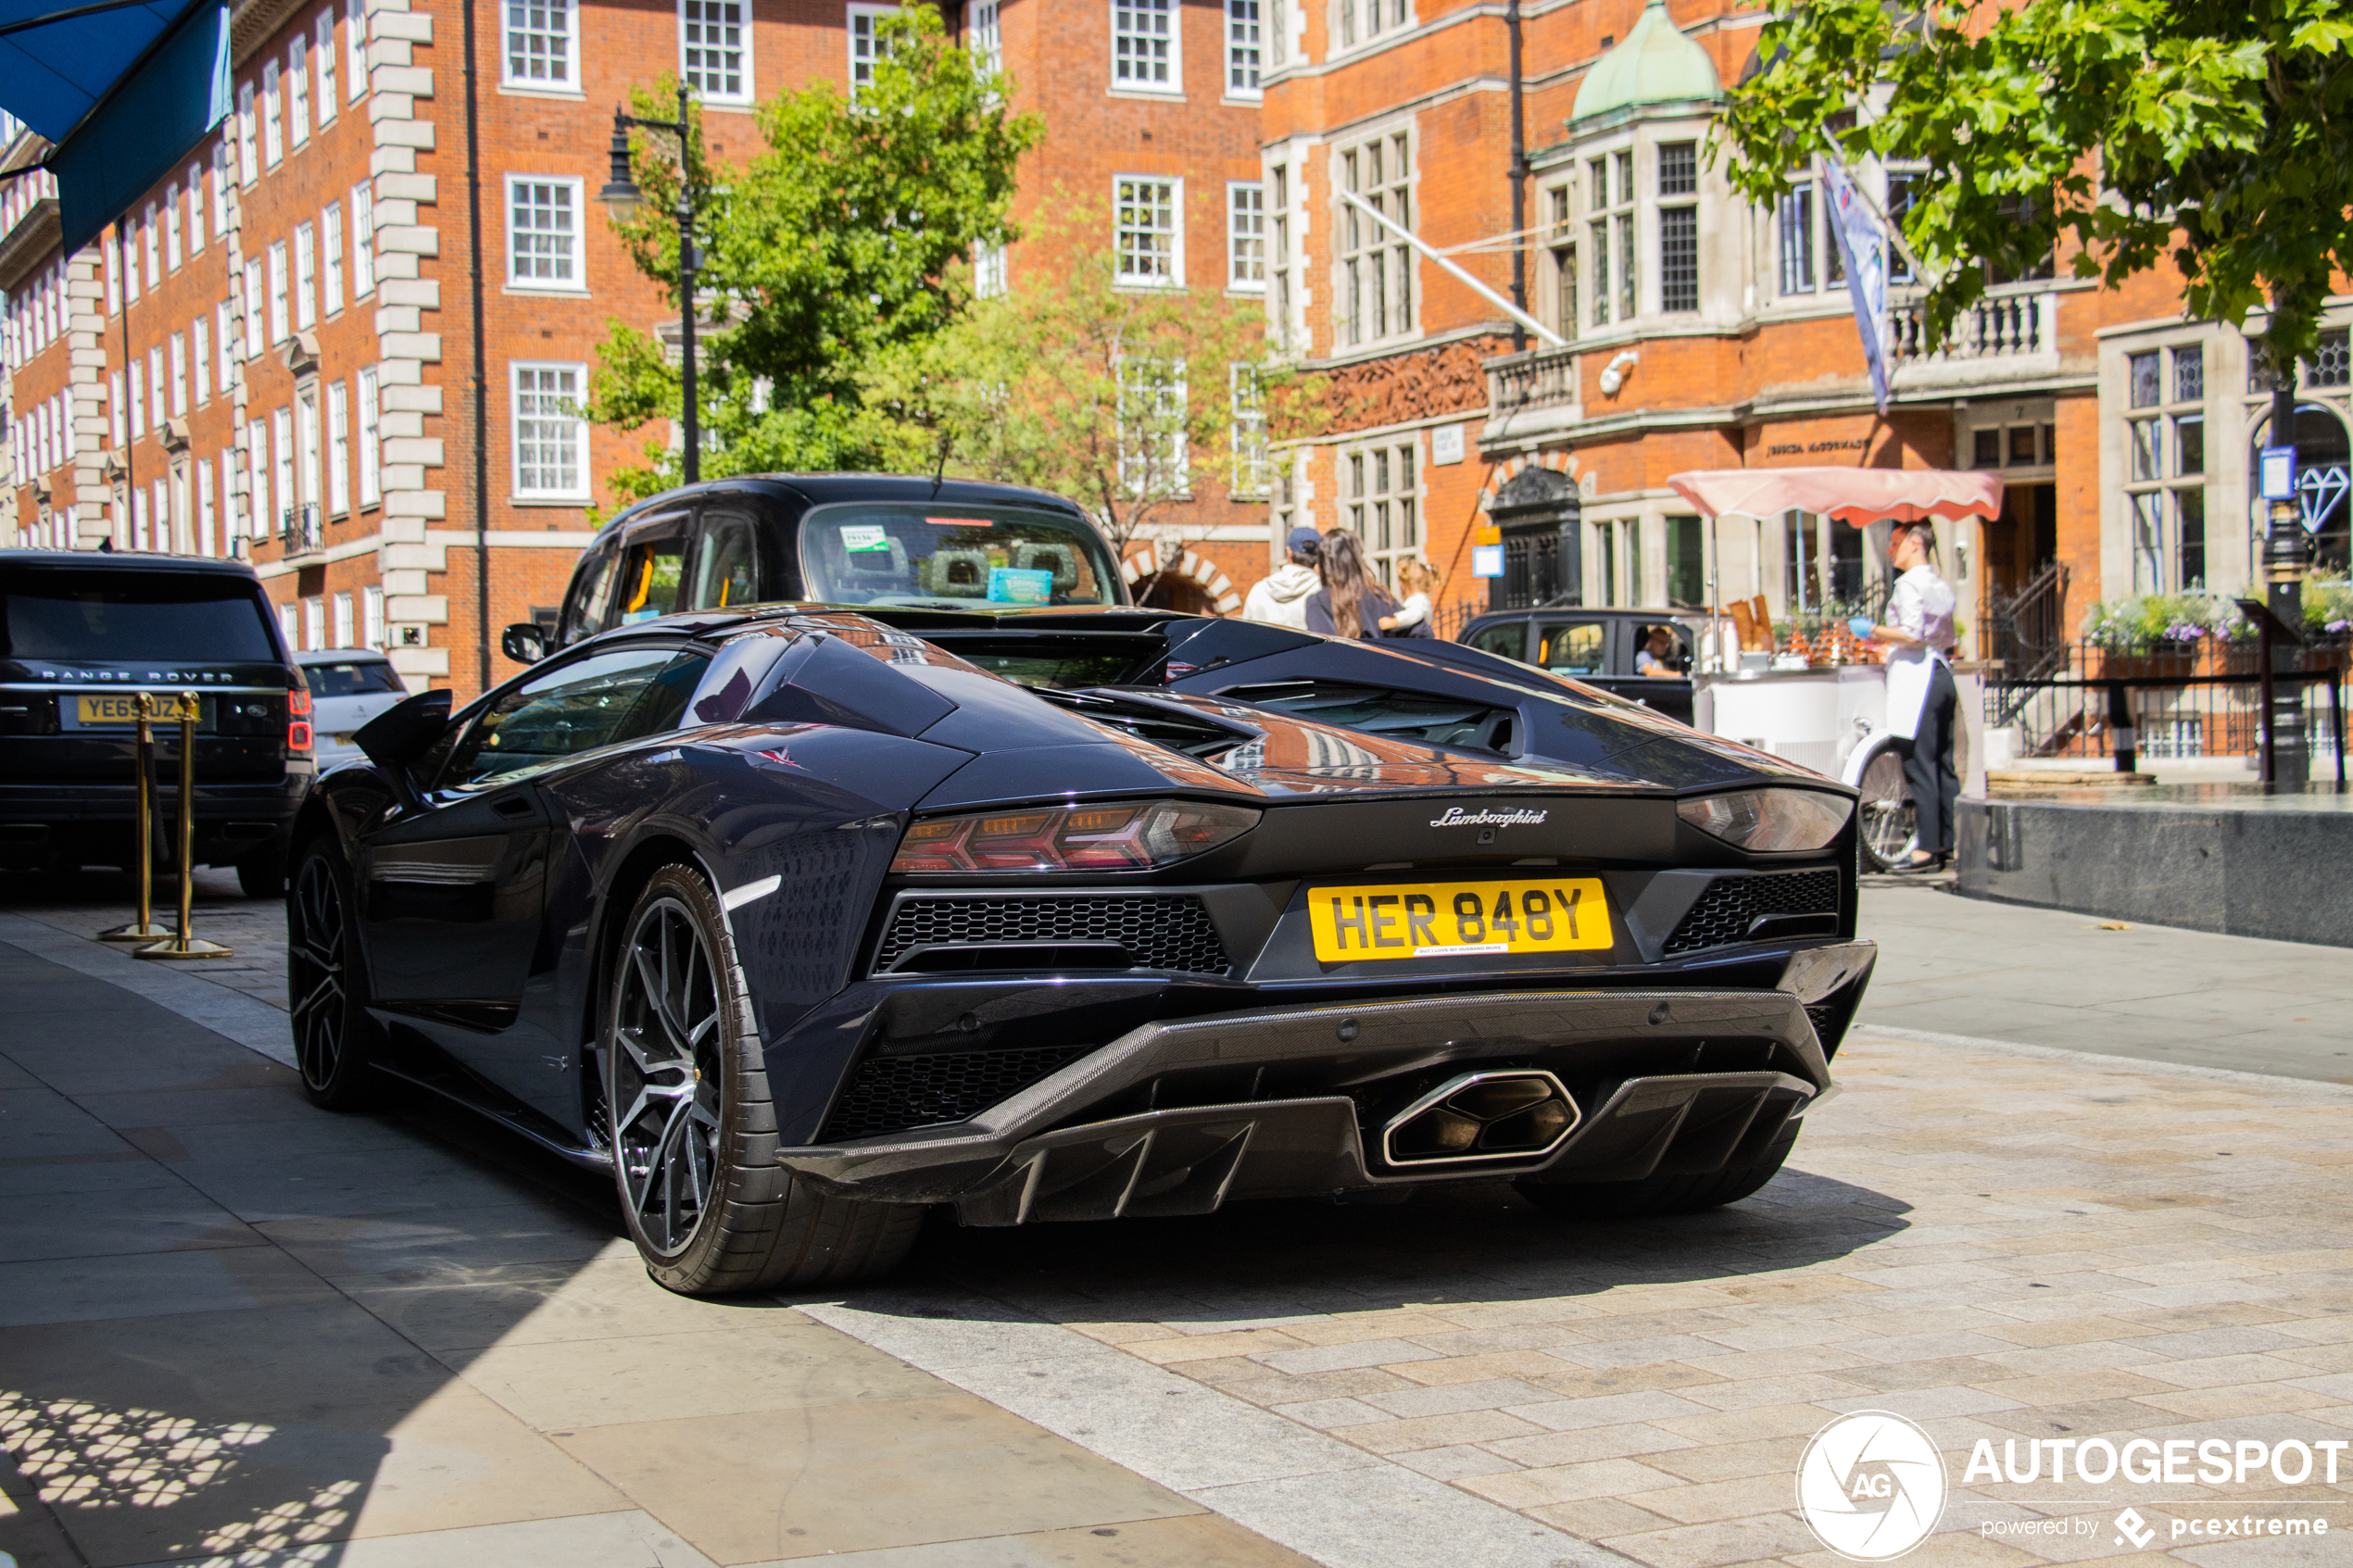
1539,516
1173,590
2324,484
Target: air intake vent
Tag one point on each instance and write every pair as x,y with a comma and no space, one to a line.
1158,930
1733,904
891,1094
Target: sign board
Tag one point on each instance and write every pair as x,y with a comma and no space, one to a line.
1487,560
1446,444
2318,492
2276,476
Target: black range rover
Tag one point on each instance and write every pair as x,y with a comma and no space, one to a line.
82,635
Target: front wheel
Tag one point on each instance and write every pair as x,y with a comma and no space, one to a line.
1659,1195
1889,828
694,1130
335,1040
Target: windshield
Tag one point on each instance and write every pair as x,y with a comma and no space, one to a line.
869,553
49,612
358,677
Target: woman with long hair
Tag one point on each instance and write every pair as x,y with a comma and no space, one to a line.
1350,604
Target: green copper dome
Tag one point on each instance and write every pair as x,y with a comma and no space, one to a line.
1655,64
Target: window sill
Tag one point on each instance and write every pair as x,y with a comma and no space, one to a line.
572,503
1255,290
1165,286
531,90
573,291
1242,100
1150,95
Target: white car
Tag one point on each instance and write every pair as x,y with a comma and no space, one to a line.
348,686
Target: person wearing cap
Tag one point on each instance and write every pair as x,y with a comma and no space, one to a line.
1280,598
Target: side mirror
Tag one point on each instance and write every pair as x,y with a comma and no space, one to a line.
400,735
526,642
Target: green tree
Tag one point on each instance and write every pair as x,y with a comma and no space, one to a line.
1075,382
2216,132
838,244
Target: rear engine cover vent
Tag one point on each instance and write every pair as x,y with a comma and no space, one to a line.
1394,715
1158,930
891,1094
1793,903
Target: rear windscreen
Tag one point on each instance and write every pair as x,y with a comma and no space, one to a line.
953,558
1375,711
63,613
360,677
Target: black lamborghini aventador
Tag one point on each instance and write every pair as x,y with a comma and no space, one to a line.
802,920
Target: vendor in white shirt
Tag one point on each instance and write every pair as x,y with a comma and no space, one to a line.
1921,701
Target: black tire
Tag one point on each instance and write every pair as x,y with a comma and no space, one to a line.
262,872
692,1127
336,1043
1658,1195
1886,819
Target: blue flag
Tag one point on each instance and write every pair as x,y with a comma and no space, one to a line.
1862,247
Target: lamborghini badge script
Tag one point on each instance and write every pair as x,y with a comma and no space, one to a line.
1456,817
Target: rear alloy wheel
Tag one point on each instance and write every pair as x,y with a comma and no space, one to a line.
694,1131
1889,827
1658,1195
327,987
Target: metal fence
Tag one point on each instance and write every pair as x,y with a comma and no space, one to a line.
2203,701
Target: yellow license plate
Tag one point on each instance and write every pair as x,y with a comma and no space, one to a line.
1447,919
123,709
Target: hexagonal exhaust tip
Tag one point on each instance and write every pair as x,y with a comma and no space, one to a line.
1510,1114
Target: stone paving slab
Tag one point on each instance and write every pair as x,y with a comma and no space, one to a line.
1997,1244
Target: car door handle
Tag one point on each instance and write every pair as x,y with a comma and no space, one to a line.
512,806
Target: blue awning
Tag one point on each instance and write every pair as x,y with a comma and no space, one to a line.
124,90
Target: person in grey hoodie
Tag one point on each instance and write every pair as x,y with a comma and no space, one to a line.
1280,598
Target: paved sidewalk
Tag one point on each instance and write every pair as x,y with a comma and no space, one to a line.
234,1329
1999,1245
2044,977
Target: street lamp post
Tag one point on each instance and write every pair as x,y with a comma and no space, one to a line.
622,199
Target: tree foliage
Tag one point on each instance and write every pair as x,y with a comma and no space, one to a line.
837,244
1114,396
2216,132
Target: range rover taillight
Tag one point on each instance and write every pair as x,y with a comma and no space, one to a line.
298,721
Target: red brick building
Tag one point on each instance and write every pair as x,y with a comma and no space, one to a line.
1702,333
284,350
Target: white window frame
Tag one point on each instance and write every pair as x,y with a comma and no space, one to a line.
355,48
985,33
339,622
118,410
866,47
149,250
172,228
200,360
990,271
363,239
178,375
1177,459
281,468
371,617
1246,236
208,519
365,393
698,76
248,158
217,218
1245,49
298,90
567,200
305,277
338,451
1128,198
196,210
314,623
273,142
256,328
1378,263
258,480
579,489
1143,59
324,47
1360,23
331,271
225,331
1254,470
1381,486
554,65
281,325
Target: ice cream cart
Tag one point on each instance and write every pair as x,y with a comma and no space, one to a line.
1825,706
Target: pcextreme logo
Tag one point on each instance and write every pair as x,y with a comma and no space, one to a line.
1871,1485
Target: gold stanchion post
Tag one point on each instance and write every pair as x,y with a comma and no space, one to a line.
144,928
185,945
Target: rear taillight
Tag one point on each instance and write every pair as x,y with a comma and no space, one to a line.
298,721
1123,836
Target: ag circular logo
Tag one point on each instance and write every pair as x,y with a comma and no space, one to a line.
1871,1485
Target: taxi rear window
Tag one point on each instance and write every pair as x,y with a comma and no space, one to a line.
954,557
62,612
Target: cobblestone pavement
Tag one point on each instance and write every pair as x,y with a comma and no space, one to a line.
2000,1246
